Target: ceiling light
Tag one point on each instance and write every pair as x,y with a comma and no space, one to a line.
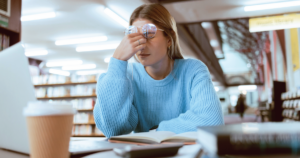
38,16
79,67
98,47
206,25
63,63
90,72
271,6
30,53
247,87
81,40
116,17
107,60
217,89
59,72
218,52
214,43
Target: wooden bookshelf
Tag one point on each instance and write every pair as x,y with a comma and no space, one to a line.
13,30
67,97
292,98
84,110
65,84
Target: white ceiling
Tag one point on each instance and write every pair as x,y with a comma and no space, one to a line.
84,18
75,18
208,10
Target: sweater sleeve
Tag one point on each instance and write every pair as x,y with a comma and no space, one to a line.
204,109
114,111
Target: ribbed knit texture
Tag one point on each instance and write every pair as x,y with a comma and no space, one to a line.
130,100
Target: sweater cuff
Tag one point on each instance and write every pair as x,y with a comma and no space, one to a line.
117,68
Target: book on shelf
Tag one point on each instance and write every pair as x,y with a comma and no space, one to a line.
83,117
58,79
63,91
251,138
86,130
79,104
156,137
98,131
4,41
82,130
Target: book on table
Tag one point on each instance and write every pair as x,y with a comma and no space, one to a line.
157,137
251,138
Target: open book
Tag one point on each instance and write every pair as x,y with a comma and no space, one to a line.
156,138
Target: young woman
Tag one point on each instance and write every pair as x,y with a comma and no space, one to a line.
162,90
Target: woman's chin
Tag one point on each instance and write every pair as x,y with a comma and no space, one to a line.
145,62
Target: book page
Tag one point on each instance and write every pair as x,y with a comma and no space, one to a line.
156,137
182,137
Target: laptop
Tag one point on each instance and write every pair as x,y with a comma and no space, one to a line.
16,90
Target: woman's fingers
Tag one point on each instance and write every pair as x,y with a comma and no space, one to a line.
139,42
139,47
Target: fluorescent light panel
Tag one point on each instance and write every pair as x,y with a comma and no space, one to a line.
81,40
30,53
38,16
94,48
247,87
63,63
271,6
59,72
79,67
116,17
91,72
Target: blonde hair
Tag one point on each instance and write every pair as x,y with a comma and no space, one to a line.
161,17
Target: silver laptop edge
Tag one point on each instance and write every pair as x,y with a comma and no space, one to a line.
16,89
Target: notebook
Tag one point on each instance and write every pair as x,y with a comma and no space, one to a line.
156,138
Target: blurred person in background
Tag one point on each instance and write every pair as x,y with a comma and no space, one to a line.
240,105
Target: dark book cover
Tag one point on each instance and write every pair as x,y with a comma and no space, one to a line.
251,138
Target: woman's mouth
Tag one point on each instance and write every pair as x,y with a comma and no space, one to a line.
144,55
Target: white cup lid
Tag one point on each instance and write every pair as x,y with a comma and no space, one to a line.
38,108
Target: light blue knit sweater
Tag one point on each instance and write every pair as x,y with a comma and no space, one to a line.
179,103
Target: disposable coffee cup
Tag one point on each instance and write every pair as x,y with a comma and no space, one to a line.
50,128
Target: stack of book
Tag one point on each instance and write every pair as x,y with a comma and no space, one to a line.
261,139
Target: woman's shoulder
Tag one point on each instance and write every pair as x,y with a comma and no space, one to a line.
192,64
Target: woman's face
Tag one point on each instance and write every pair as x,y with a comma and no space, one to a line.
155,51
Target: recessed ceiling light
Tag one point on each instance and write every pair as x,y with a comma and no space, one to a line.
79,67
116,17
206,25
59,72
30,53
271,6
214,43
81,40
98,47
91,72
38,16
63,63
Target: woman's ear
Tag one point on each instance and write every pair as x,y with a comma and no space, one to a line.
169,42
